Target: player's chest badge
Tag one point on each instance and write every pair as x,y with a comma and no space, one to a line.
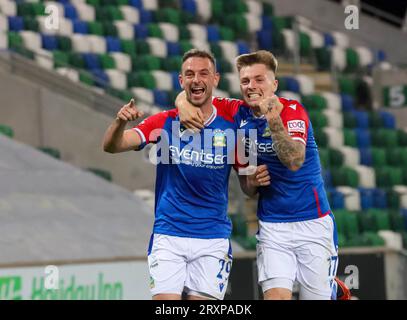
266,132
219,138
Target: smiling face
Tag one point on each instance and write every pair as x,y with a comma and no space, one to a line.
198,78
256,83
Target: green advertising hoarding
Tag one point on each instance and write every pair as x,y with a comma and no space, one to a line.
98,281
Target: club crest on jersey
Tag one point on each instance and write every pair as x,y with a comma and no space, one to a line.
266,133
296,126
219,138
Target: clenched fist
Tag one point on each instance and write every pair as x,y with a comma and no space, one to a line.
271,106
129,112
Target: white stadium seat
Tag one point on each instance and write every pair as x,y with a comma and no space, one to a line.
341,39
44,59
289,38
65,27
170,31
203,45
150,4
31,40
254,22
254,7
290,95
130,14
3,23
335,137
352,197
118,79
85,11
197,31
365,56
333,100
122,61
402,191
125,30
367,176
9,8
204,9
80,43
229,49
97,43
335,118
163,80
307,23
351,155
71,74
143,95
393,240
317,39
306,84
220,93
158,47
338,57
234,82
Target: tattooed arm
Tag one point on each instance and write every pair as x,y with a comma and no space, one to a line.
290,152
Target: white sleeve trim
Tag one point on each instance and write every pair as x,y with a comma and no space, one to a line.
299,139
143,138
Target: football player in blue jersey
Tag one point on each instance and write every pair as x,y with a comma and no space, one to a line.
189,250
297,238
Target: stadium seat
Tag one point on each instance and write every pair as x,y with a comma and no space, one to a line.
388,176
6,130
352,198
337,199
105,174
53,152
366,197
239,225
345,176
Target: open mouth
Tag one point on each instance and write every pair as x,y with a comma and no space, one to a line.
197,92
253,96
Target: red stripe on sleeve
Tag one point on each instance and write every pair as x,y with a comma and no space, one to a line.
150,128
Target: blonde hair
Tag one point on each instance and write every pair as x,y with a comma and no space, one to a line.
261,57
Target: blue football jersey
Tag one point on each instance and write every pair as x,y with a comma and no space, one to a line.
192,173
291,196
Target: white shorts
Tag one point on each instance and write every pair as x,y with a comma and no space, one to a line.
194,266
305,251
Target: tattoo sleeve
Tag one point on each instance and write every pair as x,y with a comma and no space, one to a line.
290,152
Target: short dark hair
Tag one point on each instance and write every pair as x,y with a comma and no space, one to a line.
261,57
200,54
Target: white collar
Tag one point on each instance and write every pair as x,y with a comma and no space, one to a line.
212,116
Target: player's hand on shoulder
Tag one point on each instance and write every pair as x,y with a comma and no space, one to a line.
260,178
129,112
190,116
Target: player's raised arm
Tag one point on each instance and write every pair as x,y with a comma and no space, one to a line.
191,117
290,152
116,138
